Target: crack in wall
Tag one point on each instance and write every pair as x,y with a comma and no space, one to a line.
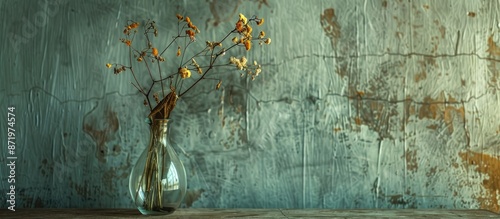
35,88
384,54
314,99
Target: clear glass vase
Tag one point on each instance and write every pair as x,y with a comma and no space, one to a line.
158,181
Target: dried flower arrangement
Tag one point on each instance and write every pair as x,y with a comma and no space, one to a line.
180,80
149,180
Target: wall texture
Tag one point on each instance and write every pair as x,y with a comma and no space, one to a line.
361,104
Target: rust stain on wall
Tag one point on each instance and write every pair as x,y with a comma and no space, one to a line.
493,49
370,111
442,29
420,76
411,160
102,128
489,166
409,109
437,109
428,64
330,26
192,196
494,52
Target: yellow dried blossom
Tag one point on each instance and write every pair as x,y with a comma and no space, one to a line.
184,72
178,51
248,31
257,71
244,61
268,41
154,52
235,40
233,60
260,21
179,17
190,33
243,19
239,26
262,34
248,44
108,65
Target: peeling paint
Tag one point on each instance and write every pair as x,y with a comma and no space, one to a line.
411,160
437,109
101,126
330,26
488,166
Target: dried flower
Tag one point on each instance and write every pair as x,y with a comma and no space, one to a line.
119,70
108,65
235,40
184,72
268,41
262,34
190,33
154,52
243,18
248,44
130,27
133,26
248,31
178,51
239,26
260,21
179,17
197,66
126,41
244,61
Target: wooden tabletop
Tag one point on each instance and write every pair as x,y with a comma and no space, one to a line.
248,213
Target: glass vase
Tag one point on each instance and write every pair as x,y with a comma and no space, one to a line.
158,182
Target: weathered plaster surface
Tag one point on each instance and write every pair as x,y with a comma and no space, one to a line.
361,104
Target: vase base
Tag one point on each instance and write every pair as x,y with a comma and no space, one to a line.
157,211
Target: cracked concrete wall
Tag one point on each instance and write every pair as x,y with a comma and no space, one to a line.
361,104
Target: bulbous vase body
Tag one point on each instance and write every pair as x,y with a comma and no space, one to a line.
158,181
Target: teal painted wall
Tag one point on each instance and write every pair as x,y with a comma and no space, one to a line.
361,104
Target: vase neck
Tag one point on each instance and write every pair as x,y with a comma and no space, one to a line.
159,127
